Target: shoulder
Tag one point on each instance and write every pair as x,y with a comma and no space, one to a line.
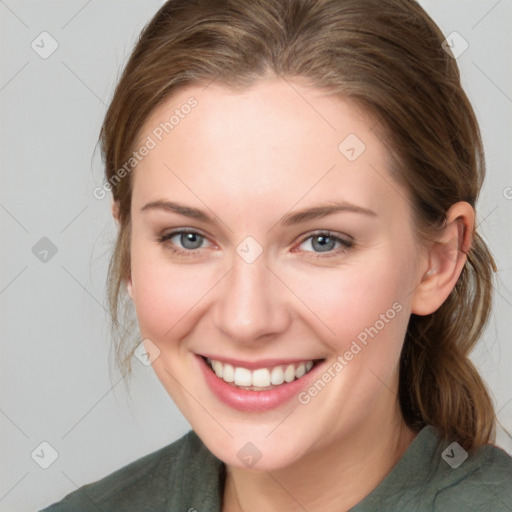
437,475
152,482
483,481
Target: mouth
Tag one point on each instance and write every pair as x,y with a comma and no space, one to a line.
264,378
258,386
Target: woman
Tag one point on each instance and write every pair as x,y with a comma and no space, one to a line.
294,184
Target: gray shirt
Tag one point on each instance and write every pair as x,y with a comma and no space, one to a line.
184,476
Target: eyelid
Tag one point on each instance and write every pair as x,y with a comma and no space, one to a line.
345,240
346,243
165,237
332,234
179,231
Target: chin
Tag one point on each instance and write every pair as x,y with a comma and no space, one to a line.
253,448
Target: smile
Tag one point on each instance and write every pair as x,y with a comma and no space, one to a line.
264,386
260,379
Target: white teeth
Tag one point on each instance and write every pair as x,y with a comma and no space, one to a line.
300,371
262,377
289,373
229,373
243,377
218,368
277,376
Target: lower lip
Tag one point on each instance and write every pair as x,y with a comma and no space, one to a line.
254,401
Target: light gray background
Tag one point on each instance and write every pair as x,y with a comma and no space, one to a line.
55,383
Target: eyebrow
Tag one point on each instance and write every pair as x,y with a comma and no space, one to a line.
317,212
296,217
187,211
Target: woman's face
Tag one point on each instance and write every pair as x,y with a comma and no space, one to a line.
262,290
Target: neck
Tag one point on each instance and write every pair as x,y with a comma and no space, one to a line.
335,477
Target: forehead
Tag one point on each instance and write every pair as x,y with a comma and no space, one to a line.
270,107
276,136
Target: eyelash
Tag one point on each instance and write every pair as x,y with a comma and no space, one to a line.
180,252
345,244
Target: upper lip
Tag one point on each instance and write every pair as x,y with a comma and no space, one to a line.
261,363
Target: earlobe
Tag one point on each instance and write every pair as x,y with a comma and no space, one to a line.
129,288
446,259
115,211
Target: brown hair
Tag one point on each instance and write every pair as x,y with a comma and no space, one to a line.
387,56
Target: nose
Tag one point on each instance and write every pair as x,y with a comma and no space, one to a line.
251,303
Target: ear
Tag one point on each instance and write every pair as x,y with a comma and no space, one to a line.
446,259
115,211
129,287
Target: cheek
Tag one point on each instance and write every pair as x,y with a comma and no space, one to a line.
166,295
362,302
357,303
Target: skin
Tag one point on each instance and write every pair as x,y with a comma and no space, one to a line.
248,158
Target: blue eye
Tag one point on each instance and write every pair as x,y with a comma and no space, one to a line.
185,243
326,242
321,243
